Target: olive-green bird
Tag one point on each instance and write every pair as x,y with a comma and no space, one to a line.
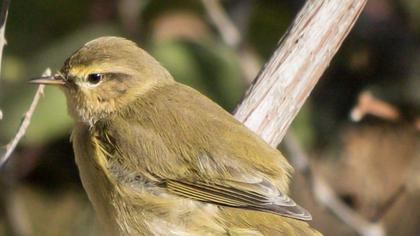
156,157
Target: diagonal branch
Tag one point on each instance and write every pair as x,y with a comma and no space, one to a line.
289,76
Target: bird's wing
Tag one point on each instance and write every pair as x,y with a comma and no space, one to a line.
197,151
260,196
234,190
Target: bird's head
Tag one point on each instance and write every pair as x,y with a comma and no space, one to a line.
105,75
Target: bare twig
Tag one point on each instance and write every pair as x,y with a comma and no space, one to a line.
3,19
327,197
10,204
10,147
389,203
289,76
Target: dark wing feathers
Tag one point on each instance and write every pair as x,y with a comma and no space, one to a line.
260,196
240,193
234,197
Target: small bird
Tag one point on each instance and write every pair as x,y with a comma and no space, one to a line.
156,157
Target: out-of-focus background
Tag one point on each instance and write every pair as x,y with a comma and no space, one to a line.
373,165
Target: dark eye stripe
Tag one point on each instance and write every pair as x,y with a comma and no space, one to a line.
118,76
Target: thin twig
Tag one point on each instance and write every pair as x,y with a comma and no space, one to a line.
3,19
10,147
389,203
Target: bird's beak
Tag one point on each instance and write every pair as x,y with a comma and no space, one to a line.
49,80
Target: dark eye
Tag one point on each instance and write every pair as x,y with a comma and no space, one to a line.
94,78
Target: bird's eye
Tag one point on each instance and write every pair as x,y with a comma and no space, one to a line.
94,78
